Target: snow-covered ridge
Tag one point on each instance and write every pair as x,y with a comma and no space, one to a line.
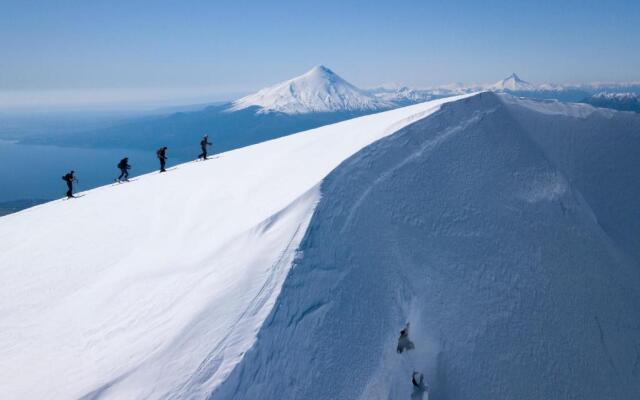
318,90
157,287
505,230
507,233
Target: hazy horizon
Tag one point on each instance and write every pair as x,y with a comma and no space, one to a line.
125,52
148,99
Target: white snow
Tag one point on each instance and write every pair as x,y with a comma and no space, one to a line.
555,107
157,287
506,231
318,90
401,95
508,235
616,96
512,83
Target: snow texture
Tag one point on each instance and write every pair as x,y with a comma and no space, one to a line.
319,90
505,233
156,288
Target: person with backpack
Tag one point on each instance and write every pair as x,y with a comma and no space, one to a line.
70,178
203,145
124,167
404,343
419,386
162,156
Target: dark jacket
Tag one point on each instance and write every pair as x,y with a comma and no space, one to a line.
124,164
68,177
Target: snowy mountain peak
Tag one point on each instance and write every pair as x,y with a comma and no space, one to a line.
321,70
318,90
513,82
515,77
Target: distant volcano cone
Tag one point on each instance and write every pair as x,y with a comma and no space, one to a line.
318,90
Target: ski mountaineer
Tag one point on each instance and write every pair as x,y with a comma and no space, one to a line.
403,341
419,388
162,156
70,178
203,145
124,167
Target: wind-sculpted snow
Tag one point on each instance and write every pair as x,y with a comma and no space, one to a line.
506,234
156,288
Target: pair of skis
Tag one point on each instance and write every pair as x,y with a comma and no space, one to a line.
73,197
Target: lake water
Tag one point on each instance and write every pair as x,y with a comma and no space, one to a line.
34,172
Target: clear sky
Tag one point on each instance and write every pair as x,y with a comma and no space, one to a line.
129,47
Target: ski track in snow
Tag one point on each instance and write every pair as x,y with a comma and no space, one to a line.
157,288
505,231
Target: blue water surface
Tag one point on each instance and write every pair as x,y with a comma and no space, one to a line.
35,171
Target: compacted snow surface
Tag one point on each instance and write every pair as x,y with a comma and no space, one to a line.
155,288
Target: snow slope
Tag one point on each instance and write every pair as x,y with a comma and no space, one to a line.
506,231
156,288
318,90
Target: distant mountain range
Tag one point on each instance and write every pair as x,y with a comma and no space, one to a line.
512,84
316,98
616,101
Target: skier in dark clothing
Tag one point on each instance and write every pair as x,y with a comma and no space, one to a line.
419,387
203,145
162,156
70,178
124,167
403,342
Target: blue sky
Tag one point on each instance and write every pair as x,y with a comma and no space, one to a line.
238,46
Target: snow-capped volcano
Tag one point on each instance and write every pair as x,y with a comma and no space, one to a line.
318,90
512,83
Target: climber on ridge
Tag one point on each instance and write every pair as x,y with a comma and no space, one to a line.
124,167
162,156
70,178
203,146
